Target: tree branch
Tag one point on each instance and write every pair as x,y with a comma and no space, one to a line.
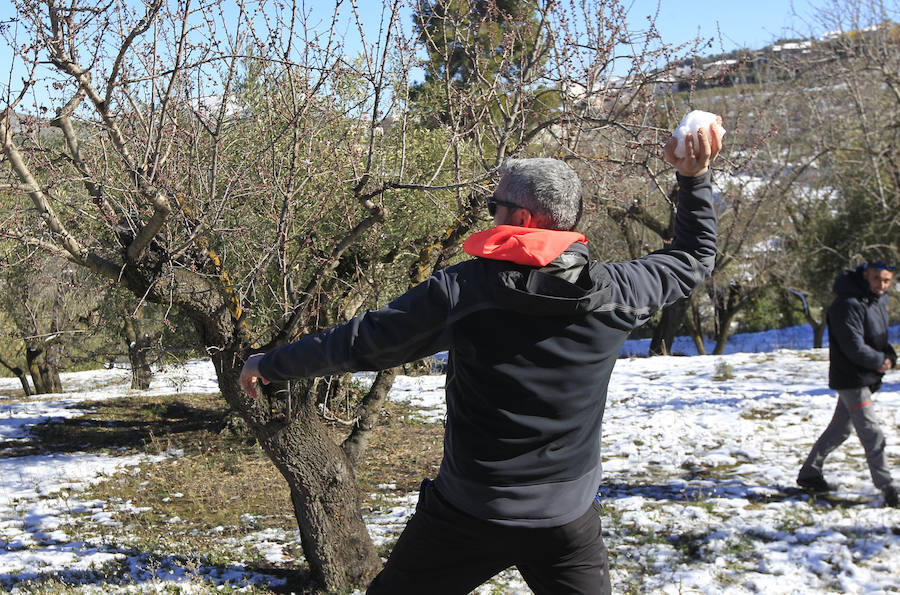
367,415
64,123
161,207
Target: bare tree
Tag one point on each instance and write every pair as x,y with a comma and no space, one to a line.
231,161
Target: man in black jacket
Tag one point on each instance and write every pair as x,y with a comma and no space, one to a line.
533,329
859,355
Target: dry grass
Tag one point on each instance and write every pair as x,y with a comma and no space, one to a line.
222,487
403,451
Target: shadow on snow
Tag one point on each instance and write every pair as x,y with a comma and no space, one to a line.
734,489
129,566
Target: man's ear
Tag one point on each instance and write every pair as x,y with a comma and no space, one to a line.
522,218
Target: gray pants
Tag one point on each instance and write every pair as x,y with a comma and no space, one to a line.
853,411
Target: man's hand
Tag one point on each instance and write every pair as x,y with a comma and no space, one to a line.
696,161
886,365
250,374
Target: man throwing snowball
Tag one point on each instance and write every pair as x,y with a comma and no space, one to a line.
533,328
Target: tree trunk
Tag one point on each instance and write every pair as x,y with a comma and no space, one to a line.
695,327
818,327
141,374
665,331
699,344
724,331
44,371
818,333
139,350
285,421
20,374
321,478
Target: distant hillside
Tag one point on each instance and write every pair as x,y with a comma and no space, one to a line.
747,66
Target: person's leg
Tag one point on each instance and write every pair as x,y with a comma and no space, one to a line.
571,559
835,434
441,551
862,414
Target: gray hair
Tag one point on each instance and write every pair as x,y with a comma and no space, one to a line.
549,188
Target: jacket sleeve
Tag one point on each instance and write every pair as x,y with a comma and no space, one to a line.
409,328
847,320
888,348
645,285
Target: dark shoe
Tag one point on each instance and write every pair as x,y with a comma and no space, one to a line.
814,484
890,497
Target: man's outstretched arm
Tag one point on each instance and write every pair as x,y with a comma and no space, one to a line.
409,328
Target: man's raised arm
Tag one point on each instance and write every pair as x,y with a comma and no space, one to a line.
643,286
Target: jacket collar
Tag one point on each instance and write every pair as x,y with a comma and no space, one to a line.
521,245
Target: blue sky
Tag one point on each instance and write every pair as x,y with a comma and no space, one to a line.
751,24
730,23
743,24
733,24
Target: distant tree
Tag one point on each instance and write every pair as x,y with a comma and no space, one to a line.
51,307
478,43
844,105
751,193
772,309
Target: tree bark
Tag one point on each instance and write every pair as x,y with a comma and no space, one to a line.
44,371
818,333
665,331
320,476
139,350
141,374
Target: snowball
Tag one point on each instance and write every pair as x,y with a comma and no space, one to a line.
691,123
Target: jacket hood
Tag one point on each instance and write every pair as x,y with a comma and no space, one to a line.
521,245
851,284
557,278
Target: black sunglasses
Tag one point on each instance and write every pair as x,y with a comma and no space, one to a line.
494,201
880,266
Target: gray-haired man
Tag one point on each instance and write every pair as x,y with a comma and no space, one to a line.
533,328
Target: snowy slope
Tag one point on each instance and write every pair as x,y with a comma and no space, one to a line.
700,456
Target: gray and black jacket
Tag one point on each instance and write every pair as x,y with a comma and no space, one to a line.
530,353
857,334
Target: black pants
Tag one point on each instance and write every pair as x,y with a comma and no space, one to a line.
445,551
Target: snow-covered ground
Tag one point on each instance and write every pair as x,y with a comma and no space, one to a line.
700,456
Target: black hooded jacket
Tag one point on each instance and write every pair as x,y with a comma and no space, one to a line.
857,334
531,349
